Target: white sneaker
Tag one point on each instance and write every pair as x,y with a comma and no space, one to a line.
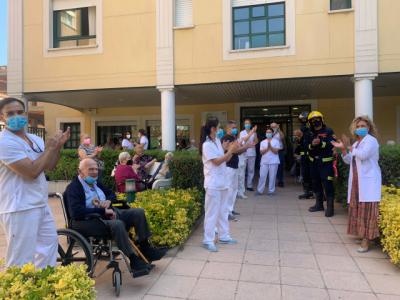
242,197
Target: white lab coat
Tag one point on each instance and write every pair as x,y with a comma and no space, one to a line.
369,172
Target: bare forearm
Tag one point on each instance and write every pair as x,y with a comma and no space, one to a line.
52,163
227,156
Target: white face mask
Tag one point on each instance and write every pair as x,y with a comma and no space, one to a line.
128,136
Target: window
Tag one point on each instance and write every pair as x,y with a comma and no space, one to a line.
75,139
340,4
183,13
259,26
74,27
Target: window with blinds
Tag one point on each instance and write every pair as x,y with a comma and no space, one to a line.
340,4
183,13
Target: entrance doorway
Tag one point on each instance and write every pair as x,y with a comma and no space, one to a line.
287,118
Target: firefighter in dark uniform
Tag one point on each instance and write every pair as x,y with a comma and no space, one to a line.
305,140
320,152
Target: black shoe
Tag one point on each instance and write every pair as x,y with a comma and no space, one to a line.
329,208
316,208
153,254
281,184
235,213
250,189
138,266
306,196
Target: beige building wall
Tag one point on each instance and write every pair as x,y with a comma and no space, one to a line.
389,38
324,46
127,60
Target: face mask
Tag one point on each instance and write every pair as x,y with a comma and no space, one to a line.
87,141
268,135
234,131
128,136
275,129
17,122
295,139
316,124
247,126
90,180
363,131
220,133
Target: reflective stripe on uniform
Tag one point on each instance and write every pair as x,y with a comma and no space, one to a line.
327,159
302,153
323,145
330,178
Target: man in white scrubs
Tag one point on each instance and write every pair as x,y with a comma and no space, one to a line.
279,136
25,216
248,135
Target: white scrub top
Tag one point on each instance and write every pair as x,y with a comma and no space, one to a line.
214,176
269,157
250,151
16,192
145,141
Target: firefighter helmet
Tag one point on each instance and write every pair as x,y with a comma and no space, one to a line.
315,114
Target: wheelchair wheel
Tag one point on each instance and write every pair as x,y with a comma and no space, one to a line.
74,248
117,282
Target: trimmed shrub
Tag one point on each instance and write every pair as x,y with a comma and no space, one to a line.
170,213
390,223
63,282
186,167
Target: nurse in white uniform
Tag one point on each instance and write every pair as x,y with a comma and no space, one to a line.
248,135
269,149
216,186
25,216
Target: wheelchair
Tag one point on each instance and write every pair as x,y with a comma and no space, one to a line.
89,241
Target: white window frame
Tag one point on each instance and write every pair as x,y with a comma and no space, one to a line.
344,10
264,52
48,8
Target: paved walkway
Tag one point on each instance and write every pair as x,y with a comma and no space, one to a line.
284,252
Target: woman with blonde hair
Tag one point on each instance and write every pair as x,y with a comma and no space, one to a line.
365,180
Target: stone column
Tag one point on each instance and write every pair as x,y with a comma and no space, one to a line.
168,126
363,96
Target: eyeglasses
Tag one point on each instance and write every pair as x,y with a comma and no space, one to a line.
14,113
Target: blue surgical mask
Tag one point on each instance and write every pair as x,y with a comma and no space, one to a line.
268,135
247,126
17,122
234,131
363,131
220,133
90,180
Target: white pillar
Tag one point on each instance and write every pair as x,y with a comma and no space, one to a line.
363,96
168,127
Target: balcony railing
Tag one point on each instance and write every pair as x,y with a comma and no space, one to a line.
41,132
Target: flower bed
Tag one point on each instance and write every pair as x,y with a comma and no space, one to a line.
70,282
171,213
390,222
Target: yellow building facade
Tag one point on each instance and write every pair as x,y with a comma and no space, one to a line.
106,67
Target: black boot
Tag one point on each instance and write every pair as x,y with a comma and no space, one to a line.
319,205
306,195
329,207
151,253
138,266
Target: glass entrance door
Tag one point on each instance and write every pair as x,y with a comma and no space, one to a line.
286,116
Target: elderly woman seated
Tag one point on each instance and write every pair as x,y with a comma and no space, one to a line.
164,172
125,170
142,162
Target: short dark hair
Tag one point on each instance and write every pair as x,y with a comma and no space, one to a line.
231,122
9,100
142,131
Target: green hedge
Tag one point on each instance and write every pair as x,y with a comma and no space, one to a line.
389,161
186,167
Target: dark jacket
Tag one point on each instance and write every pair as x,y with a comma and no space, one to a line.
75,198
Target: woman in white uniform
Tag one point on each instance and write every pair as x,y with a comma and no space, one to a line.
269,149
248,135
216,187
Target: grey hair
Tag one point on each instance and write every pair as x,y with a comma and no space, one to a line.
123,156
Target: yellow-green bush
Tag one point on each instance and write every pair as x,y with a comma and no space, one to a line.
390,222
170,213
70,282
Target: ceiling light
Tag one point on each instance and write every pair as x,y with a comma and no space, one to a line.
265,109
295,108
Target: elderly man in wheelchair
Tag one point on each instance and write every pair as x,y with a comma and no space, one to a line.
88,199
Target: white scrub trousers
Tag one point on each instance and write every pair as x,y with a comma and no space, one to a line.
251,162
241,177
232,176
31,236
269,170
216,215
